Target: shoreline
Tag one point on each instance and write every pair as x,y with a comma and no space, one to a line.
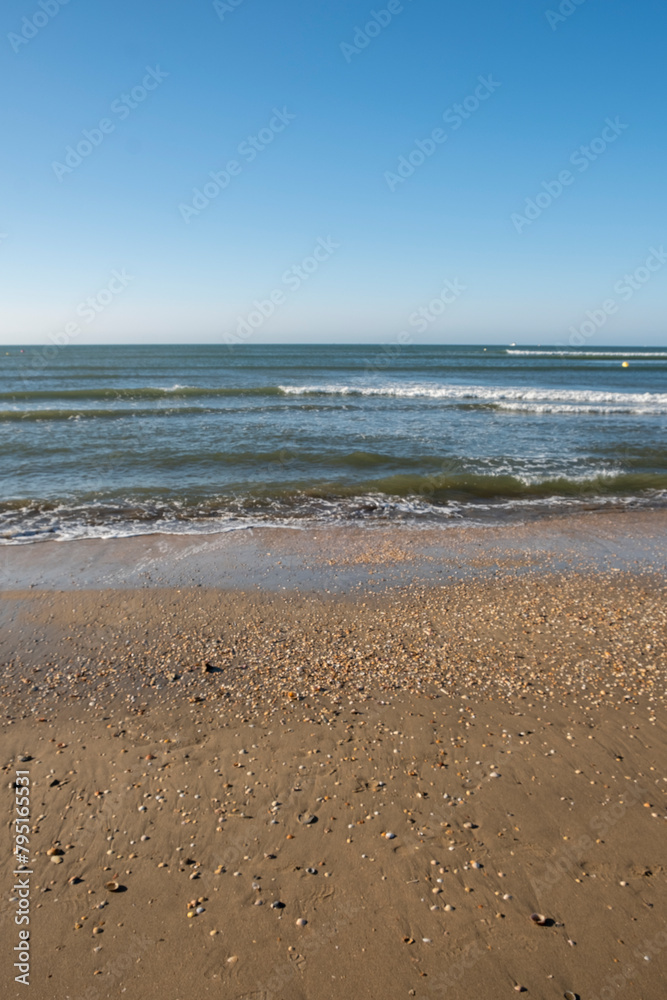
340,558
354,771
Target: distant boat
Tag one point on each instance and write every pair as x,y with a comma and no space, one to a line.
512,345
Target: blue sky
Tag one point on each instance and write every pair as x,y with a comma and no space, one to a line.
335,110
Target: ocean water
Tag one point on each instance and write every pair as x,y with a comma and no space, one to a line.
104,441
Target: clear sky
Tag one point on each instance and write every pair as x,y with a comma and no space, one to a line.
314,103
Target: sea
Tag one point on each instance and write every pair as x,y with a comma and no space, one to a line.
108,441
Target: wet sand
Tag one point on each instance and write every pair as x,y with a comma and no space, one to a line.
340,559
427,744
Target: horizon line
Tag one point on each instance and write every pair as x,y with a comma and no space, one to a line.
336,343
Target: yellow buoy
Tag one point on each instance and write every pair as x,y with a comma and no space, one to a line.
625,365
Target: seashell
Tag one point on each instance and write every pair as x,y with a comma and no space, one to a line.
112,886
476,864
312,871
569,995
301,922
307,819
277,905
539,919
56,860
390,836
53,851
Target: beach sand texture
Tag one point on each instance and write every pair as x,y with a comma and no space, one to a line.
302,794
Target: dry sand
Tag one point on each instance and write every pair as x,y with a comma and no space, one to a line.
413,771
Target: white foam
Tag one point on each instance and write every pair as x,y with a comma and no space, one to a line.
648,402
589,354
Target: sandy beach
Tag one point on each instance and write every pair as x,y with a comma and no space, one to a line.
268,793
333,501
